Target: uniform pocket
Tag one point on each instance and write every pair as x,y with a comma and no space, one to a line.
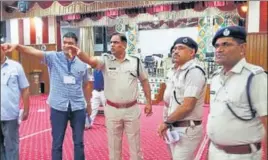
194,132
13,81
112,74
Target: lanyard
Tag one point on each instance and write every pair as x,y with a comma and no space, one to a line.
69,64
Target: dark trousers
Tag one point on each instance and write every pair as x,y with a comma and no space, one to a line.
59,120
9,137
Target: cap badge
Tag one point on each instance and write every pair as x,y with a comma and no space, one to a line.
226,32
185,40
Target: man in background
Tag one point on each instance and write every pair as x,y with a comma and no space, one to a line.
98,97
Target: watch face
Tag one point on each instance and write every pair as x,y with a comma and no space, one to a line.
43,47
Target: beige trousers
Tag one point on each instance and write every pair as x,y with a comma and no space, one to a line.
216,154
123,120
190,138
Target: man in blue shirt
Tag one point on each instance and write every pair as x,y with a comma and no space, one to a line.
14,85
69,92
98,97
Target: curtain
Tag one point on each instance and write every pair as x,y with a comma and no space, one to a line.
87,40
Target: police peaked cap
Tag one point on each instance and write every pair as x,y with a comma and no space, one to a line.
231,31
188,42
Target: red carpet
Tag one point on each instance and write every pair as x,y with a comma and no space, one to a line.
35,136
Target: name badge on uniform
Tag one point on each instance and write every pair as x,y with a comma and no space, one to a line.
68,80
112,68
212,92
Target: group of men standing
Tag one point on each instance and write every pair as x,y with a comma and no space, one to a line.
238,104
70,95
237,120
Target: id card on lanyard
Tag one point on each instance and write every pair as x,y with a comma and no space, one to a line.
69,79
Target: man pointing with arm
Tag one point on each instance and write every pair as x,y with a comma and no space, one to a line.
69,91
121,74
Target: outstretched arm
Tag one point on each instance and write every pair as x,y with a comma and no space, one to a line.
7,48
85,57
91,60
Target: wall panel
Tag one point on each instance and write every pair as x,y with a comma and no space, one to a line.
257,49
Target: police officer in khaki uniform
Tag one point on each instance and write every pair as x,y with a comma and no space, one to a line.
238,103
186,102
121,74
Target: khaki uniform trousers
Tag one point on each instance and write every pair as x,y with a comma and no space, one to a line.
217,154
123,120
190,138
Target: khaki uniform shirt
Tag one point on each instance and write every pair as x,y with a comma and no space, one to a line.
120,78
223,127
191,86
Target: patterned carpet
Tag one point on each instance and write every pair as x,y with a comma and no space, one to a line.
35,136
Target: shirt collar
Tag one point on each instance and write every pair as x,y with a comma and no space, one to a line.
237,68
173,67
75,57
6,62
186,65
127,57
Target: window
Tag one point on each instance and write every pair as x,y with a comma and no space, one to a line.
102,39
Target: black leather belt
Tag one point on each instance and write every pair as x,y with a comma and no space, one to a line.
238,149
98,90
186,123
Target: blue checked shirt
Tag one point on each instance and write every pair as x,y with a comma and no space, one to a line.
61,93
13,80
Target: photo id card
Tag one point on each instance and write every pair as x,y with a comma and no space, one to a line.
69,80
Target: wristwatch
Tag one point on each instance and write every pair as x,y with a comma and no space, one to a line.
169,124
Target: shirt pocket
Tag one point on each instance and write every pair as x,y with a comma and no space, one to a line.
240,109
78,73
179,88
131,74
112,74
12,81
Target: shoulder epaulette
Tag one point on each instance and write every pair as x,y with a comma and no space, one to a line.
106,54
254,69
193,67
135,56
138,63
109,56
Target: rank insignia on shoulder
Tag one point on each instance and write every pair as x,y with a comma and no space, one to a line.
254,69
